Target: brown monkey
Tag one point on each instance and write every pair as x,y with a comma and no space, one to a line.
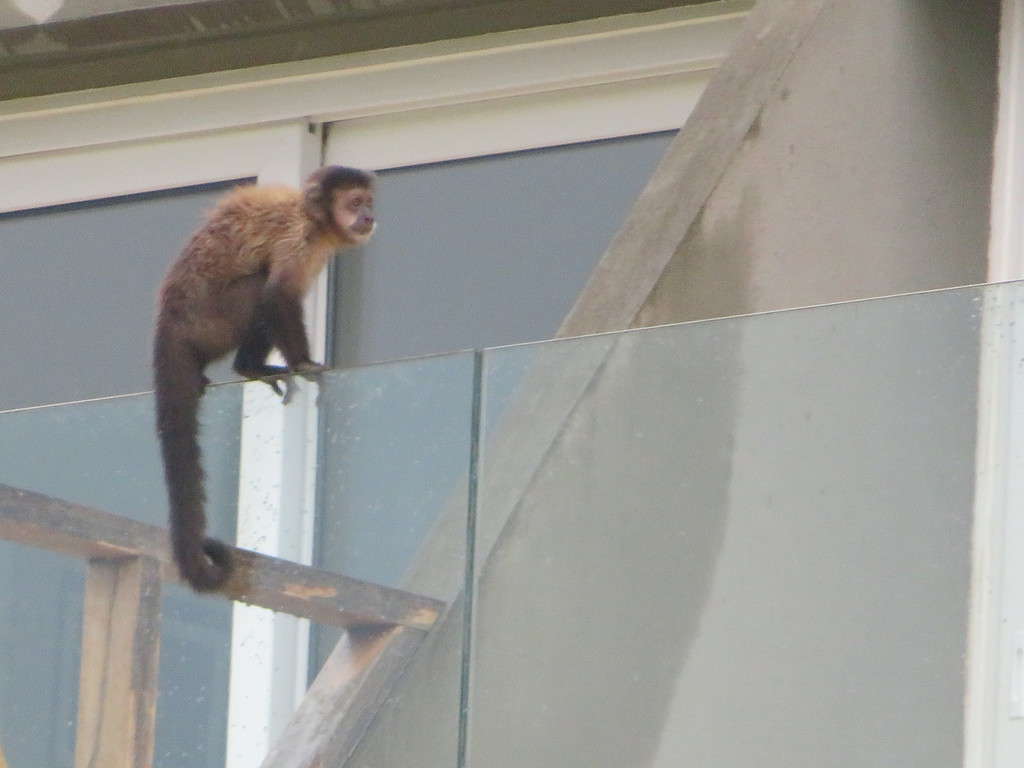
238,284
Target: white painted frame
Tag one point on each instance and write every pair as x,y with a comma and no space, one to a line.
97,172
276,514
618,49
518,90
994,734
516,123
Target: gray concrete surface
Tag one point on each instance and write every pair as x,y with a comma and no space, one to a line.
844,151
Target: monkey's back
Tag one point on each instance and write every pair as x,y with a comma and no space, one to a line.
211,288
239,236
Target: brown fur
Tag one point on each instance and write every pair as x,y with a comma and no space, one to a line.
238,285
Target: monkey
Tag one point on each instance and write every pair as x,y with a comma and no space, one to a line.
238,285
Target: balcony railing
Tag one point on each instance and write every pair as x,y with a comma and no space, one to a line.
734,542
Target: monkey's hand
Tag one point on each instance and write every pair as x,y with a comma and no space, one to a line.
309,370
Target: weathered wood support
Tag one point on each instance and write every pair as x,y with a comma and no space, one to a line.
351,687
120,660
280,585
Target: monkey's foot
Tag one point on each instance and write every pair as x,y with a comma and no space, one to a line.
274,377
290,388
283,384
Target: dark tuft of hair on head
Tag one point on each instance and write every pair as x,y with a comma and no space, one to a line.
318,193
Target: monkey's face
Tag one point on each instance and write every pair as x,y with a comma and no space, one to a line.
352,212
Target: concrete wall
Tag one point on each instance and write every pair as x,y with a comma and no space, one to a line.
866,173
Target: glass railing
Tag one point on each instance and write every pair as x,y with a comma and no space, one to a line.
733,542
103,454
730,543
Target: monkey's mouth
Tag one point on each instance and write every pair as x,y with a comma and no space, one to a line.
364,230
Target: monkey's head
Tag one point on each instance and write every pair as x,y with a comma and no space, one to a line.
339,200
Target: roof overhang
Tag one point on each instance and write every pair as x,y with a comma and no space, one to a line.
113,42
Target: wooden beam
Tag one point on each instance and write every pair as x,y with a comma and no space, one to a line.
354,682
327,598
120,659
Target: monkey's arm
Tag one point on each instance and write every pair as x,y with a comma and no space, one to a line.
280,311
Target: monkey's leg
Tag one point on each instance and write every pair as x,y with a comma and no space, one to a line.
281,310
279,321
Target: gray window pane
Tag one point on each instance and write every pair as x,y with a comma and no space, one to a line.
487,251
79,289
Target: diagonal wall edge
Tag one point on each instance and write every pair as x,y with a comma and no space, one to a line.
692,167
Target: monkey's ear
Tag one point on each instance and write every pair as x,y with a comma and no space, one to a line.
316,199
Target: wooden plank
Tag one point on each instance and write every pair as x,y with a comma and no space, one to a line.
120,659
324,597
727,112
354,682
3,760
327,598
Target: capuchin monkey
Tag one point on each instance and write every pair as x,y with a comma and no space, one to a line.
238,284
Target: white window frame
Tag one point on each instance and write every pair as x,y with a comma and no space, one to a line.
994,735
526,89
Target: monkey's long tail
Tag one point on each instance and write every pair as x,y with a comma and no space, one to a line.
204,563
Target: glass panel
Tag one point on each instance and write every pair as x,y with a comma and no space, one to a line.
104,454
40,638
394,455
394,458
730,543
